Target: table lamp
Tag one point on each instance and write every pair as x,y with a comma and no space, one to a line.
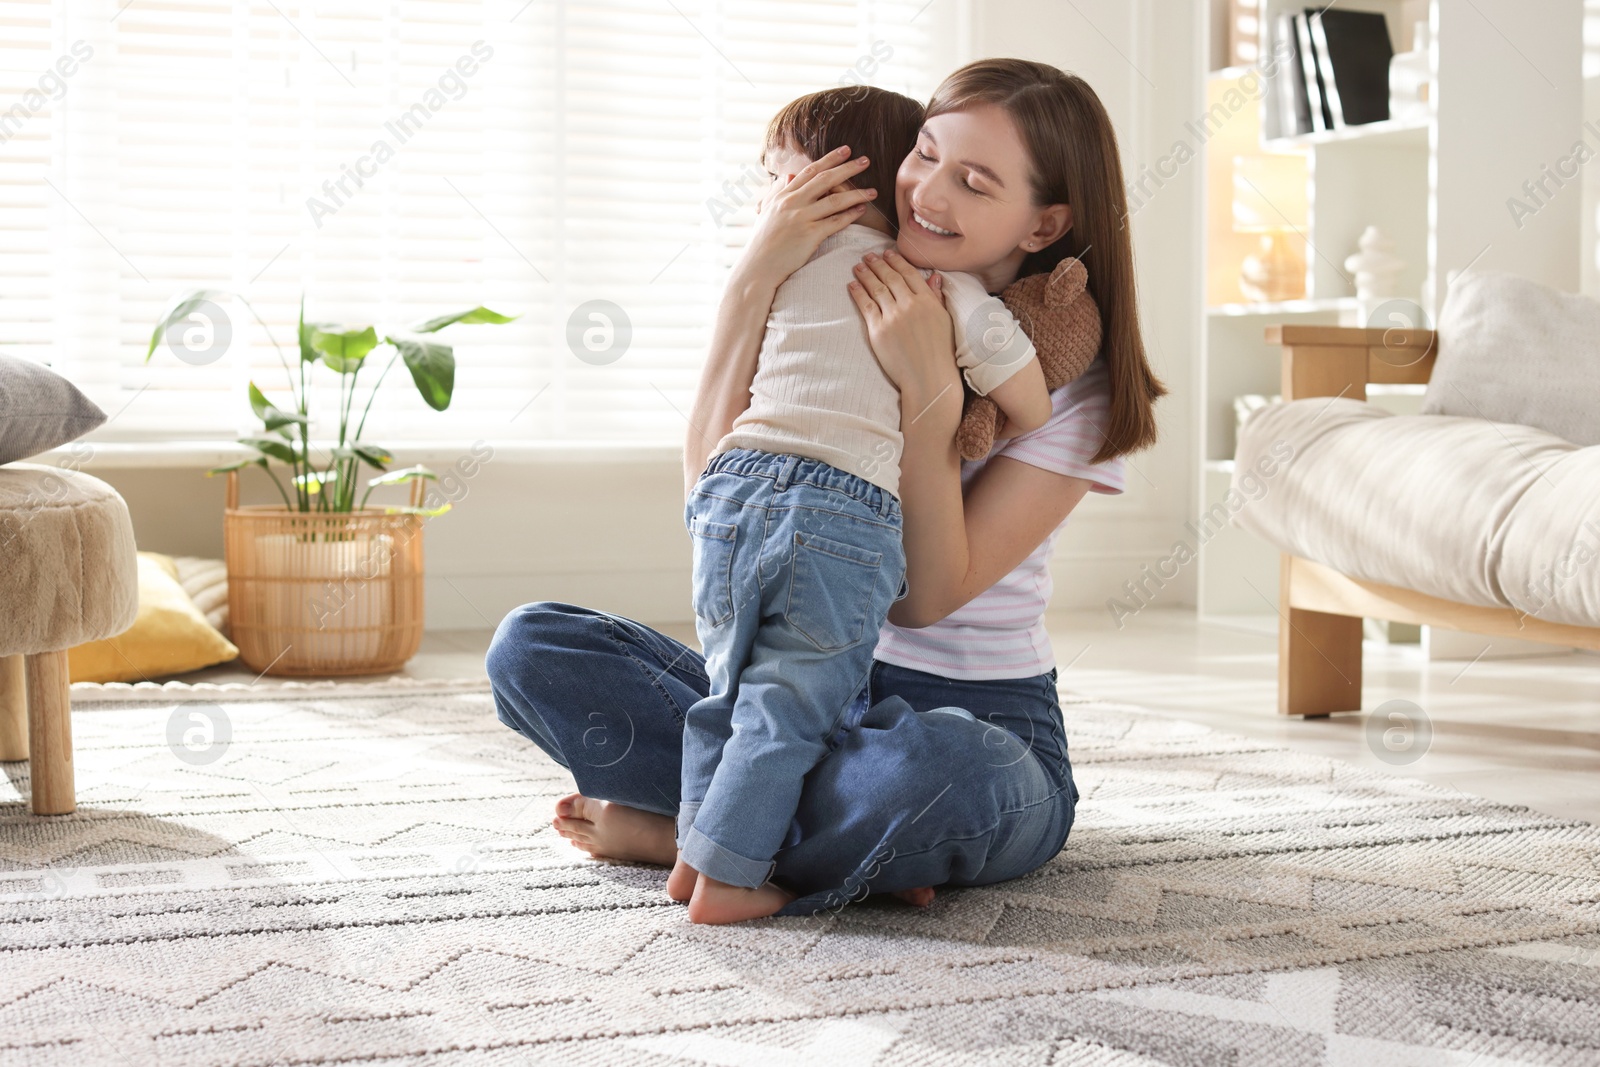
1269,198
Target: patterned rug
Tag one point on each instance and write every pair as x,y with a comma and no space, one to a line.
366,874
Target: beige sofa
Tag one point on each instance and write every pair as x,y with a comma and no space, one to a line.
1465,522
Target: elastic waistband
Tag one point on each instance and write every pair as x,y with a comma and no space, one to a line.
786,470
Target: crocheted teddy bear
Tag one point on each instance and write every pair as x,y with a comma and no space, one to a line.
1059,315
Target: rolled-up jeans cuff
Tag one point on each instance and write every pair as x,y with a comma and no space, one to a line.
685,821
714,861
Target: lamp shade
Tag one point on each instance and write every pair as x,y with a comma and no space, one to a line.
1269,193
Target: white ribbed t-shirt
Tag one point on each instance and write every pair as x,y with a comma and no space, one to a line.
1000,633
818,389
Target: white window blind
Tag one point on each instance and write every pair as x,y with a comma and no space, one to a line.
397,160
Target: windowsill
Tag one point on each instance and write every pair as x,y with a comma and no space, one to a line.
201,455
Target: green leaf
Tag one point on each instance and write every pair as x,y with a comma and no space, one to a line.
269,447
477,314
372,455
432,366
179,310
405,474
343,350
274,417
304,331
408,510
238,464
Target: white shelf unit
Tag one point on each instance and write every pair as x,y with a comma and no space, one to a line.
1413,132
1506,98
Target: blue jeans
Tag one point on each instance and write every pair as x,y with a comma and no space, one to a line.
929,781
795,566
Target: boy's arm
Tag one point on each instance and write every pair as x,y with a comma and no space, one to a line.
995,356
1023,400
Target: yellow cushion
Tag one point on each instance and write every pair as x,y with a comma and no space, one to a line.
169,636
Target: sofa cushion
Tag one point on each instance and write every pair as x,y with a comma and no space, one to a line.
39,410
1549,549
1467,510
1512,350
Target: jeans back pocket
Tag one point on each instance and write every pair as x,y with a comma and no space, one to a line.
713,569
831,591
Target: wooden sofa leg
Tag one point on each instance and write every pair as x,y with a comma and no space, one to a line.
50,734
1319,658
13,709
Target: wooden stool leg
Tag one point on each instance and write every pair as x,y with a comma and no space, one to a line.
13,709
1319,658
50,734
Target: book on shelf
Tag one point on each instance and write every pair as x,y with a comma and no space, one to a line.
1353,54
1321,118
1294,106
1335,71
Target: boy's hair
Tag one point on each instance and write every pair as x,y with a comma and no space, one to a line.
874,122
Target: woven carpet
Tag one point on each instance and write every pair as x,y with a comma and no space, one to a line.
367,875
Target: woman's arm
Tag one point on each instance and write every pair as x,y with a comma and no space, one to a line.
955,548
730,367
958,547
794,221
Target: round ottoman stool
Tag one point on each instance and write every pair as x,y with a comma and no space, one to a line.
67,575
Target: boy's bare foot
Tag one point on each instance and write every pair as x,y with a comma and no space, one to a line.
920,898
719,902
616,831
680,883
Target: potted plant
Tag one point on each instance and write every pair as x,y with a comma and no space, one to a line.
326,584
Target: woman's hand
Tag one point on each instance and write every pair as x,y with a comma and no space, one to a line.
911,335
796,218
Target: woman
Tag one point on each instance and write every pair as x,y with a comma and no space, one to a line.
951,767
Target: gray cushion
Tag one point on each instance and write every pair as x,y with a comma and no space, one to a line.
39,410
1512,350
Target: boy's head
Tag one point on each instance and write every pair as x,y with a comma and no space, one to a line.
874,122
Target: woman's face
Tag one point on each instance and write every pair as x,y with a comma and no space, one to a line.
965,199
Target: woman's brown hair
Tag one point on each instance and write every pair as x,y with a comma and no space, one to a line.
1075,162
874,122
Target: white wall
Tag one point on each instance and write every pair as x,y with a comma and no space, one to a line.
604,532
1536,112
609,533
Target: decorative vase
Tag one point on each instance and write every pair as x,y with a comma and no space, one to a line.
322,593
1376,269
1409,78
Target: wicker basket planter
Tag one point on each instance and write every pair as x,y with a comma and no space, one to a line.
318,594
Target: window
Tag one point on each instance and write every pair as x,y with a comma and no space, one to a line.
395,161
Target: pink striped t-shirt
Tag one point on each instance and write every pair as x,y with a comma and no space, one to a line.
1000,632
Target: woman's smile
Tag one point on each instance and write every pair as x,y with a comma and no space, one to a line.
923,223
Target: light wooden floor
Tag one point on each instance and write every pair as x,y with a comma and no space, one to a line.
1520,731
